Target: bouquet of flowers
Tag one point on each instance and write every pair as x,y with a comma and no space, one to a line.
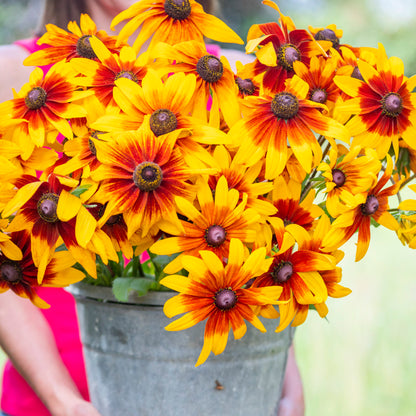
168,169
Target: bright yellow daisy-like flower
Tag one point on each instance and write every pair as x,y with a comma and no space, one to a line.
270,121
7,247
42,108
293,216
319,76
214,80
358,218
49,211
100,75
277,47
298,272
74,43
331,277
217,292
20,275
348,176
141,176
219,219
383,105
244,179
162,107
172,21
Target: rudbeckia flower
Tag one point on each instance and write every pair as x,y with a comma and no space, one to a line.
48,210
298,273
293,216
319,76
374,207
141,176
214,80
244,179
100,75
7,247
350,175
42,108
217,292
271,120
277,48
13,164
20,275
383,105
74,43
171,21
161,108
211,227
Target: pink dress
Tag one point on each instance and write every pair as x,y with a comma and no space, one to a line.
18,399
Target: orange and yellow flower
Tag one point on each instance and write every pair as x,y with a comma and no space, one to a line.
74,43
42,108
270,121
48,210
20,275
214,80
298,273
161,108
277,48
219,219
140,177
348,176
375,207
171,21
217,292
383,105
100,75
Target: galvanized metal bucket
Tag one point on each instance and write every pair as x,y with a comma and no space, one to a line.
136,368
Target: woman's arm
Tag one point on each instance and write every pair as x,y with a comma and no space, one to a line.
13,73
292,401
27,339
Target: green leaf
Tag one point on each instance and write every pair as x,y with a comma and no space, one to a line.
80,190
122,286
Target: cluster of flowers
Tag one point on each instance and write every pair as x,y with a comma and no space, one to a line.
250,180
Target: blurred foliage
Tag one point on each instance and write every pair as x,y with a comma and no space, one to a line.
18,19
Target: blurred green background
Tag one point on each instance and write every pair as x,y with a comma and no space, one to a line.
362,359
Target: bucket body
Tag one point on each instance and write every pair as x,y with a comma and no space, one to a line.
137,368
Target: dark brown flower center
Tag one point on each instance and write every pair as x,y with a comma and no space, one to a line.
285,105
370,206
286,55
245,86
92,148
47,206
319,95
11,272
163,121
148,176
35,98
338,177
127,74
84,48
356,73
210,68
328,34
282,272
178,9
215,235
225,299
114,219
392,104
